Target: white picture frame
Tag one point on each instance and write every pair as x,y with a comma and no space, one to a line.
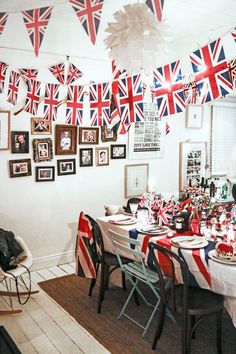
4,130
136,180
194,116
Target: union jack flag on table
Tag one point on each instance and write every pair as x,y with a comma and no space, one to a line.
32,96
3,69
89,13
169,89
73,74
51,101
84,264
99,95
232,71
131,99
234,34
36,22
29,73
3,20
74,105
211,72
58,71
156,6
13,87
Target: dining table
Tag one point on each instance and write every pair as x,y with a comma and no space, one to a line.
206,271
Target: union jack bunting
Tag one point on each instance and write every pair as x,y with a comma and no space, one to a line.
211,72
84,250
13,87
131,99
73,74
156,6
169,89
29,73
232,71
99,95
74,105
3,69
3,20
89,13
58,71
190,89
234,34
32,96
51,101
36,22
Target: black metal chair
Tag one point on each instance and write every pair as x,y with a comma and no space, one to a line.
192,302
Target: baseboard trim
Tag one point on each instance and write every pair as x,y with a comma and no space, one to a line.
52,260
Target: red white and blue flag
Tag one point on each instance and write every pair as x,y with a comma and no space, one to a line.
89,13
234,34
211,72
74,105
131,99
32,96
3,20
36,22
3,69
190,89
99,96
169,89
73,74
58,71
13,87
156,6
232,71
51,101
29,73
84,262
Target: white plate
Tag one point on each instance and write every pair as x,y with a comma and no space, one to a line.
124,221
189,242
213,255
151,230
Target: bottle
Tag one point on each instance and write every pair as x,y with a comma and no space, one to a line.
194,222
202,185
179,224
203,223
212,189
224,191
206,186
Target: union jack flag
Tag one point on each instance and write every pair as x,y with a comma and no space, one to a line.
13,87
84,250
156,6
29,73
3,20
51,101
32,96
58,71
89,13
131,99
190,89
169,89
73,74
3,69
36,22
232,71
74,105
211,72
99,95
234,34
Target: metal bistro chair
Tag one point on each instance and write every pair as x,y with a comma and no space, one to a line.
136,272
192,302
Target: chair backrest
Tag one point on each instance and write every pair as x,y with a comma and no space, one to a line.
166,264
98,240
134,200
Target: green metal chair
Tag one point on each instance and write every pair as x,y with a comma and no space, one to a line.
136,272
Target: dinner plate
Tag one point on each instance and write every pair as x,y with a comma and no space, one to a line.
189,242
153,230
213,255
124,221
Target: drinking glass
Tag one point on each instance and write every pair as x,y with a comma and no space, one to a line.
133,208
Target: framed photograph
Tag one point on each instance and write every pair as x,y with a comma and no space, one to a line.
42,149
88,135
45,174
20,168
136,180
107,134
41,126
66,139
194,113
19,142
4,130
66,167
102,156
192,163
118,151
85,157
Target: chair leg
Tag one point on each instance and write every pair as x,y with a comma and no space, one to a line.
93,281
219,327
160,325
101,288
123,281
184,333
192,325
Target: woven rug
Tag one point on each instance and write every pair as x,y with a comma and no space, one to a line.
123,336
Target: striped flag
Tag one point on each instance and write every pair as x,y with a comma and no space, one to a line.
3,20
32,96
156,6
232,71
51,101
58,71
3,69
74,105
99,95
190,89
29,73
13,87
73,74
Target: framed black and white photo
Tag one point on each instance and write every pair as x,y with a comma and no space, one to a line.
86,157
45,174
136,180
19,142
20,168
108,134
66,167
118,151
42,149
194,114
41,126
102,156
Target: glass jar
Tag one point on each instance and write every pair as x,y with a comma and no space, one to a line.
179,224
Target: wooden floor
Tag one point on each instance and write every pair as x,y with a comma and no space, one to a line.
43,327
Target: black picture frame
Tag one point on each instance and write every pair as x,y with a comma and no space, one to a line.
44,173
88,135
43,149
86,157
20,142
20,168
108,134
66,167
118,151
